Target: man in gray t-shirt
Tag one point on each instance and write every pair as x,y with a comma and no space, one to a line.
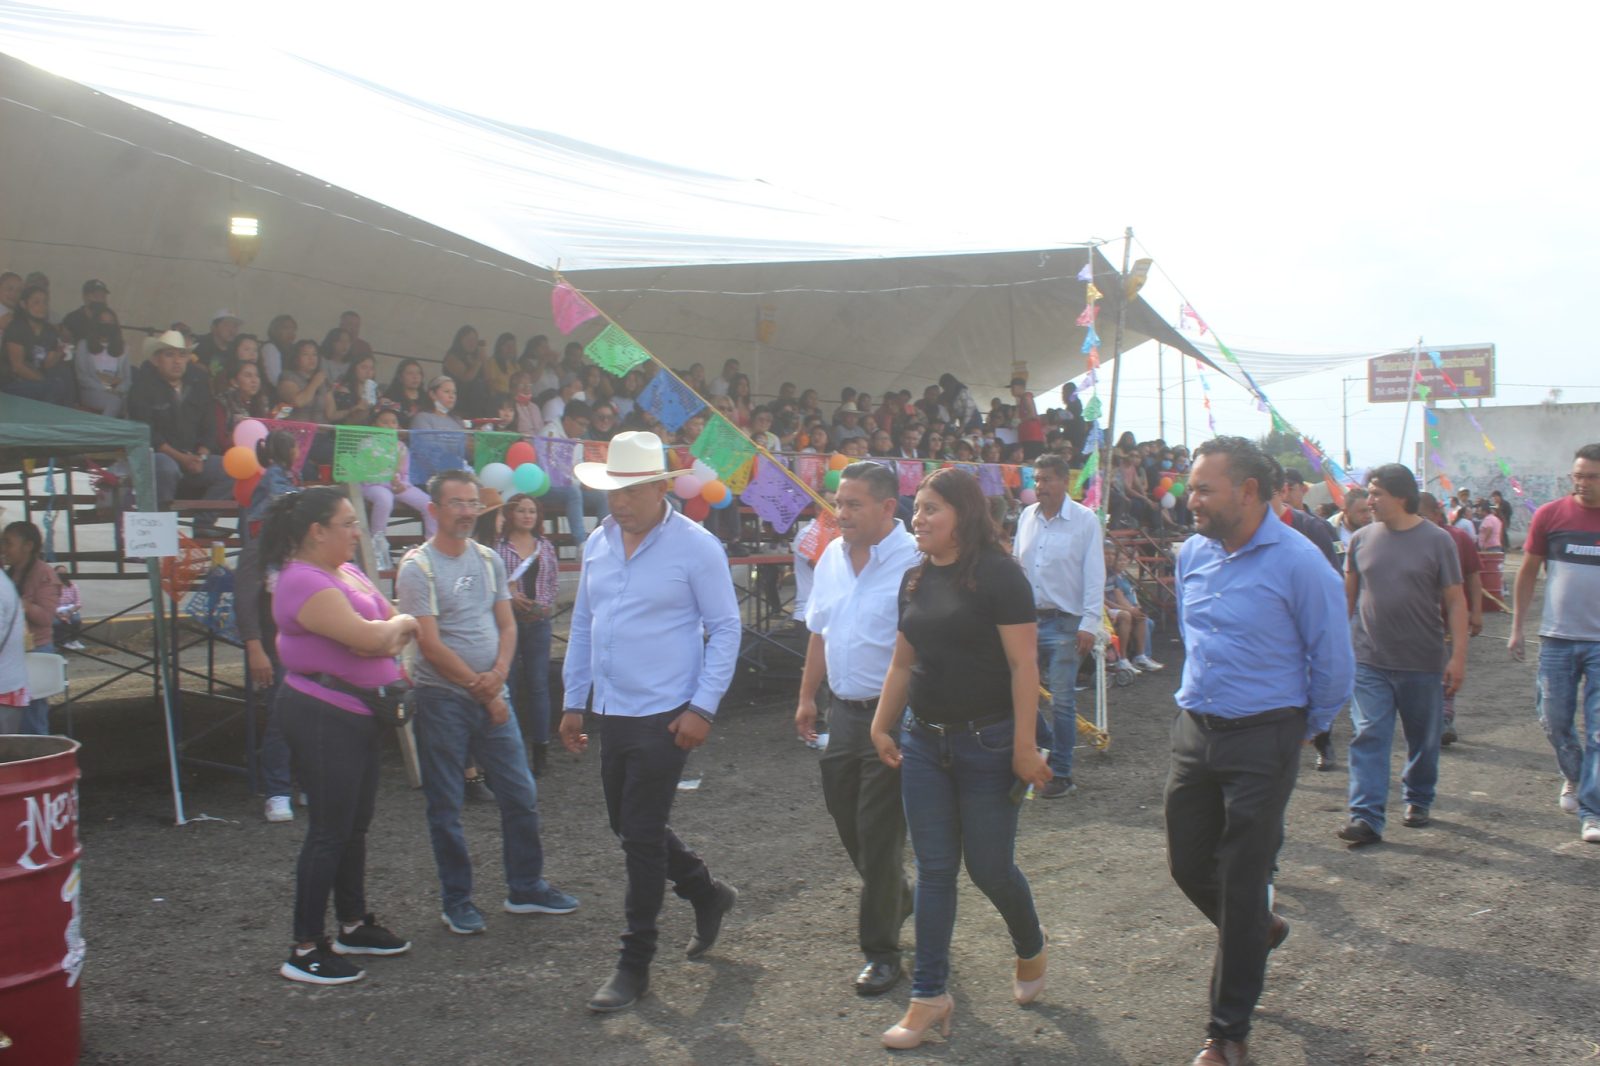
457,590
1399,571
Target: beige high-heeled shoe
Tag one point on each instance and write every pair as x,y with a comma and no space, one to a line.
921,1017
1029,982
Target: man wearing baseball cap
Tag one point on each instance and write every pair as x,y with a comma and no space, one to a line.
209,350
655,634
76,323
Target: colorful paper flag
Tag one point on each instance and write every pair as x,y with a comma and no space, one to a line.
1091,340
304,433
489,446
671,401
1090,466
1091,410
571,310
614,351
818,536
1087,273
911,475
433,450
723,447
366,454
773,496
559,456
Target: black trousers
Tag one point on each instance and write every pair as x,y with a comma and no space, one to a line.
335,756
640,763
1226,795
863,796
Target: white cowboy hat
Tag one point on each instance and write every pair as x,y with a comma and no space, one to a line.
170,339
634,459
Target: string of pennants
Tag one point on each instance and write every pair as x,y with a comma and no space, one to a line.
1431,418
1090,480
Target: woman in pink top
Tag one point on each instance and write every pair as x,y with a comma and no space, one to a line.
333,625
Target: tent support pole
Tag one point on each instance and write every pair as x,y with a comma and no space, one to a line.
167,684
1116,346
1183,396
1161,392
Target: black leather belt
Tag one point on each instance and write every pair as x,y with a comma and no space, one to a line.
1221,723
859,705
972,725
1050,612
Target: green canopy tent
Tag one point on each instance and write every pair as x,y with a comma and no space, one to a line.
33,430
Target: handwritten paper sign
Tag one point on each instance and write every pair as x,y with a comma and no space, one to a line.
149,534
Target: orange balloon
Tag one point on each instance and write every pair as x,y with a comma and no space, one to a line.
714,492
240,463
839,462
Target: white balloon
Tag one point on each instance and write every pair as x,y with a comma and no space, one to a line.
1169,501
497,476
703,472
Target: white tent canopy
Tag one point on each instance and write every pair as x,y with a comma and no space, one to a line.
424,217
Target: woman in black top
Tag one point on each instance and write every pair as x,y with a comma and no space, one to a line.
31,352
966,657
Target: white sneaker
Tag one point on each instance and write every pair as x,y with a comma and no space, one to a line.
1147,664
74,645
1123,666
1591,830
1569,797
279,810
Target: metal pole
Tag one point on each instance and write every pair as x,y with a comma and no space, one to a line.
1411,394
1116,347
1344,418
1161,394
1183,396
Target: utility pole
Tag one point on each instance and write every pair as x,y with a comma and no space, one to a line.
1411,394
1344,402
1116,349
1183,396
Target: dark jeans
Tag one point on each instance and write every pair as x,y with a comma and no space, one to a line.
957,791
1226,795
451,730
336,755
532,666
640,764
276,778
863,795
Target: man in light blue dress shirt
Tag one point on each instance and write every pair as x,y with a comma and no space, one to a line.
1059,547
1268,663
853,615
655,634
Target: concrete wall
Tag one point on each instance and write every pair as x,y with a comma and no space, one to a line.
1537,443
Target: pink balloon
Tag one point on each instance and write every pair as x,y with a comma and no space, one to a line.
249,433
687,486
1028,496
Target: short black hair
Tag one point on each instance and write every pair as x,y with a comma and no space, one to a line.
1246,460
1397,480
437,482
1292,476
577,409
1053,463
1590,452
879,481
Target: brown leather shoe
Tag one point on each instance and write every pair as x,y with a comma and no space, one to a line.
1278,932
1224,1053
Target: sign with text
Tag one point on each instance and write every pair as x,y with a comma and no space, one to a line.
149,534
1390,378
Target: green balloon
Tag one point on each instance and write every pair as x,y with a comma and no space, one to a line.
1178,488
830,480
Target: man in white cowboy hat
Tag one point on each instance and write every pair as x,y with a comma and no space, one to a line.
655,634
172,395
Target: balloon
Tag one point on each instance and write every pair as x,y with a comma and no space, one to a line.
249,433
724,503
714,492
696,509
489,498
1165,486
1028,477
687,486
1179,488
244,489
240,463
839,461
531,479
703,471
830,481
496,476
1028,496
519,453
1169,501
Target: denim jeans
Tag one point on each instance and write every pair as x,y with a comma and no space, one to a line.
957,792
640,763
532,666
1562,665
1417,697
173,482
1058,666
336,754
452,730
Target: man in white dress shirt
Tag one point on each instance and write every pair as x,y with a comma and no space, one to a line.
1059,547
852,613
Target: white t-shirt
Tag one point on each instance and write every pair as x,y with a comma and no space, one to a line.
13,657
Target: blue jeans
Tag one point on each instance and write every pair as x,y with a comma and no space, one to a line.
1562,665
532,664
956,790
575,500
1417,696
1058,666
451,730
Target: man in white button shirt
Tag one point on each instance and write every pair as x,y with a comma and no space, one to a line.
853,617
1058,544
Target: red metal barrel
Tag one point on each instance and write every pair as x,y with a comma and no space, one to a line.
1494,581
41,947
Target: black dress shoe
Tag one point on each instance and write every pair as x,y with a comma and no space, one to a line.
620,992
876,978
1359,834
708,919
1416,816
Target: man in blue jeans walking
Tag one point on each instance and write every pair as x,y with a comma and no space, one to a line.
457,590
1059,547
1398,572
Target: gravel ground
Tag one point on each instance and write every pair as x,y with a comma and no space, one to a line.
1471,941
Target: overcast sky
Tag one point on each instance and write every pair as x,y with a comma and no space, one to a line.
1340,179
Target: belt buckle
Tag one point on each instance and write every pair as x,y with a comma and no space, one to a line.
935,727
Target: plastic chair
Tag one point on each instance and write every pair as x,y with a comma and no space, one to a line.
47,677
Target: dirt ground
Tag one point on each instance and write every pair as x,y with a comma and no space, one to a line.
1471,941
